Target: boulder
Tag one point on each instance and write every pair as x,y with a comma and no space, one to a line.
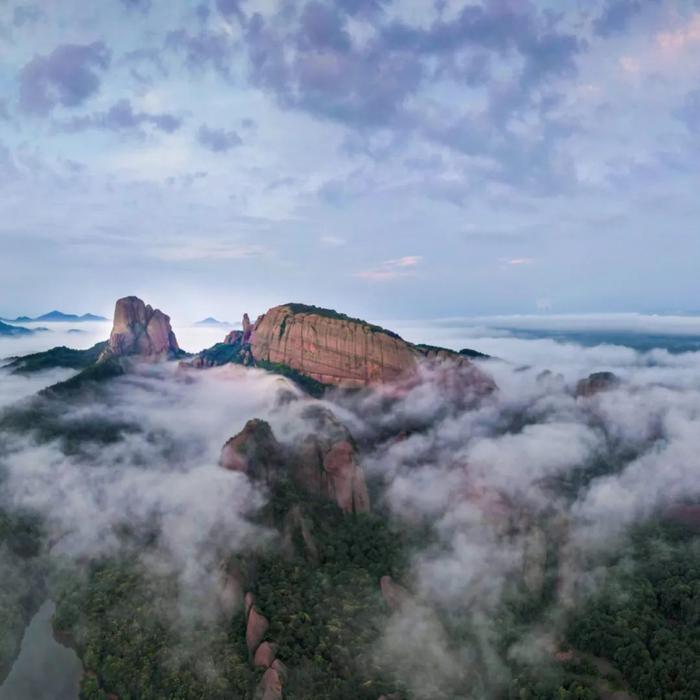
140,330
265,655
256,628
270,687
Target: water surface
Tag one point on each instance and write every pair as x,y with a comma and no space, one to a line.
44,669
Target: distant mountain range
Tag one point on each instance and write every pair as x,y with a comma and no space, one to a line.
211,321
56,317
6,329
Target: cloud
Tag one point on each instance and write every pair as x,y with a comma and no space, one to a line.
678,39
617,15
498,488
24,15
218,140
122,117
231,9
197,510
201,250
332,241
68,76
142,5
203,49
392,269
689,111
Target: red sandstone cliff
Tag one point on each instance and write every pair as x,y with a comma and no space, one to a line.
335,349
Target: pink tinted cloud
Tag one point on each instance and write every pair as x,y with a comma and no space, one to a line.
678,39
392,269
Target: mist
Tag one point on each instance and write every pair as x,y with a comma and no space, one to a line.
488,477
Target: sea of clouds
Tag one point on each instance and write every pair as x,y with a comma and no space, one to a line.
480,471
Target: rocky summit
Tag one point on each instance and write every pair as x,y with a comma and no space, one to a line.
139,329
330,348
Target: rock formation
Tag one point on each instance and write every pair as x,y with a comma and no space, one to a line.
270,687
331,348
254,451
255,630
597,382
263,654
324,462
247,328
140,330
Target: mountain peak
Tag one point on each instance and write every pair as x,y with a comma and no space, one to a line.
139,329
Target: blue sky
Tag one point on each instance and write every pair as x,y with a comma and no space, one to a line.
389,158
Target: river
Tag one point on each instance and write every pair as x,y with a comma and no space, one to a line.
44,669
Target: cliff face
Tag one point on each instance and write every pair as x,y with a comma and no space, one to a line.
140,330
334,349
326,462
320,347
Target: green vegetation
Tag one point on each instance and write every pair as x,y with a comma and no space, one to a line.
224,353
474,354
331,313
91,376
123,621
324,604
310,386
465,352
56,357
324,607
54,413
646,620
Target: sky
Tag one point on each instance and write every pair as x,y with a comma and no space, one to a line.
387,158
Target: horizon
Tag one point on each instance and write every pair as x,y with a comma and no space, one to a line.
231,149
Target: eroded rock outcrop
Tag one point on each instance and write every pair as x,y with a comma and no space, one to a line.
141,330
270,687
255,630
254,451
324,462
265,655
597,382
